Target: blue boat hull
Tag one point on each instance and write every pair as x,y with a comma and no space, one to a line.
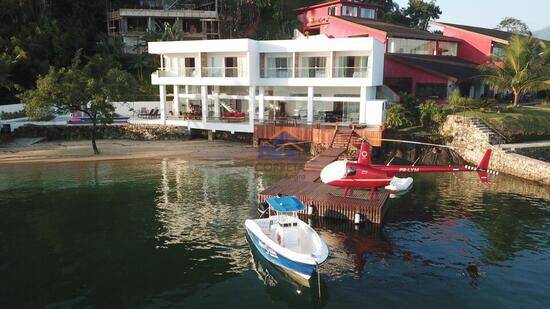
301,269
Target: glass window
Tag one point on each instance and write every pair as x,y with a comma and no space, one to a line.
348,10
351,66
278,67
411,46
431,91
332,10
355,11
231,67
313,67
498,50
189,66
368,13
447,48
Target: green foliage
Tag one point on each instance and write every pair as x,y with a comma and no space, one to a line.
432,114
12,115
456,102
517,123
409,101
525,67
514,25
89,89
420,13
397,117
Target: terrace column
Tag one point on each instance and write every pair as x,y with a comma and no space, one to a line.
366,94
261,104
163,106
310,105
251,104
204,103
176,102
150,24
187,107
217,102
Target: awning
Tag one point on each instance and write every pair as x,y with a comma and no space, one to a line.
285,204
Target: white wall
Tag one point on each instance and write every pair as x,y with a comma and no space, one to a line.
10,108
123,108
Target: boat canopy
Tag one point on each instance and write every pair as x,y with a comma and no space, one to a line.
285,204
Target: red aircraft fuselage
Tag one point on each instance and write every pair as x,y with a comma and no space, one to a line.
362,174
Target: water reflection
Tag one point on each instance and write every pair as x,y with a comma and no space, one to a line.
206,203
170,233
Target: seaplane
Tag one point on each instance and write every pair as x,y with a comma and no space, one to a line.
362,174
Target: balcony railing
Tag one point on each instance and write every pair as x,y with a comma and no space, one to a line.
350,72
311,72
276,73
162,72
191,72
222,72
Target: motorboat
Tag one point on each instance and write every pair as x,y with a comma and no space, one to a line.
286,241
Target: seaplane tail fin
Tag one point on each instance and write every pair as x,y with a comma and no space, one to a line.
483,177
483,167
484,163
365,153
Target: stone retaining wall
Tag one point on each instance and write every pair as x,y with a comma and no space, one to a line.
473,143
127,131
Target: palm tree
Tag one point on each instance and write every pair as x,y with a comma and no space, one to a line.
523,67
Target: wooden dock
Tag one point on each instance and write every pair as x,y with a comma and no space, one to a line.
329,201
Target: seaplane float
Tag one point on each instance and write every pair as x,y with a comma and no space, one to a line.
286,241
362,174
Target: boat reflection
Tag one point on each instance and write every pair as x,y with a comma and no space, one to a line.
282,286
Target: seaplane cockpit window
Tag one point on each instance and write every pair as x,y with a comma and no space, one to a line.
351,171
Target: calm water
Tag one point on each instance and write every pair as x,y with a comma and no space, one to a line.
170,233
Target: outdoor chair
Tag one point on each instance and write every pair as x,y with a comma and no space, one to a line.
144,113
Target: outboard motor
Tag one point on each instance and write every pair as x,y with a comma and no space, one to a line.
263,208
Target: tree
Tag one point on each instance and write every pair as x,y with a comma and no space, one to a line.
514,25
89,89
420,13
524,67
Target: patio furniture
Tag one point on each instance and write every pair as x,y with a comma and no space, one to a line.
233,116
144,114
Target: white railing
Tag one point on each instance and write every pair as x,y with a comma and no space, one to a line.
350,72
311,72
222,72
277,72
191,72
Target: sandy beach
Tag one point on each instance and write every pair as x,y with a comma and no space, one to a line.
80,151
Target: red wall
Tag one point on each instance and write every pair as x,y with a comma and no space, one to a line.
474,47
339,28
394,68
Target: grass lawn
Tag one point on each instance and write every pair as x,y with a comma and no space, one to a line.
524,123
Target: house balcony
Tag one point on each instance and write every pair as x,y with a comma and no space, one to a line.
350,72
311,72
231,72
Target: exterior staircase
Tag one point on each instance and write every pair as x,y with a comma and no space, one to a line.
343,138
493,137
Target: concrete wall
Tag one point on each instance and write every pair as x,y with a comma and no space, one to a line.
474,47
473,143
10,108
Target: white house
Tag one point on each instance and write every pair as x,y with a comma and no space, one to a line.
229,85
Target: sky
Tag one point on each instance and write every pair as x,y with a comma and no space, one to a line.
488,13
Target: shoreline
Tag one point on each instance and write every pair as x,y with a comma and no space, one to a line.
111,150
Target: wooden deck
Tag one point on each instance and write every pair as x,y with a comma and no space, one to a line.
317,134
329,201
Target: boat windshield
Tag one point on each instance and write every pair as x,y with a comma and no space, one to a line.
287,219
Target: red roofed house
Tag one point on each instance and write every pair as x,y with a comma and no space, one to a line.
426,64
